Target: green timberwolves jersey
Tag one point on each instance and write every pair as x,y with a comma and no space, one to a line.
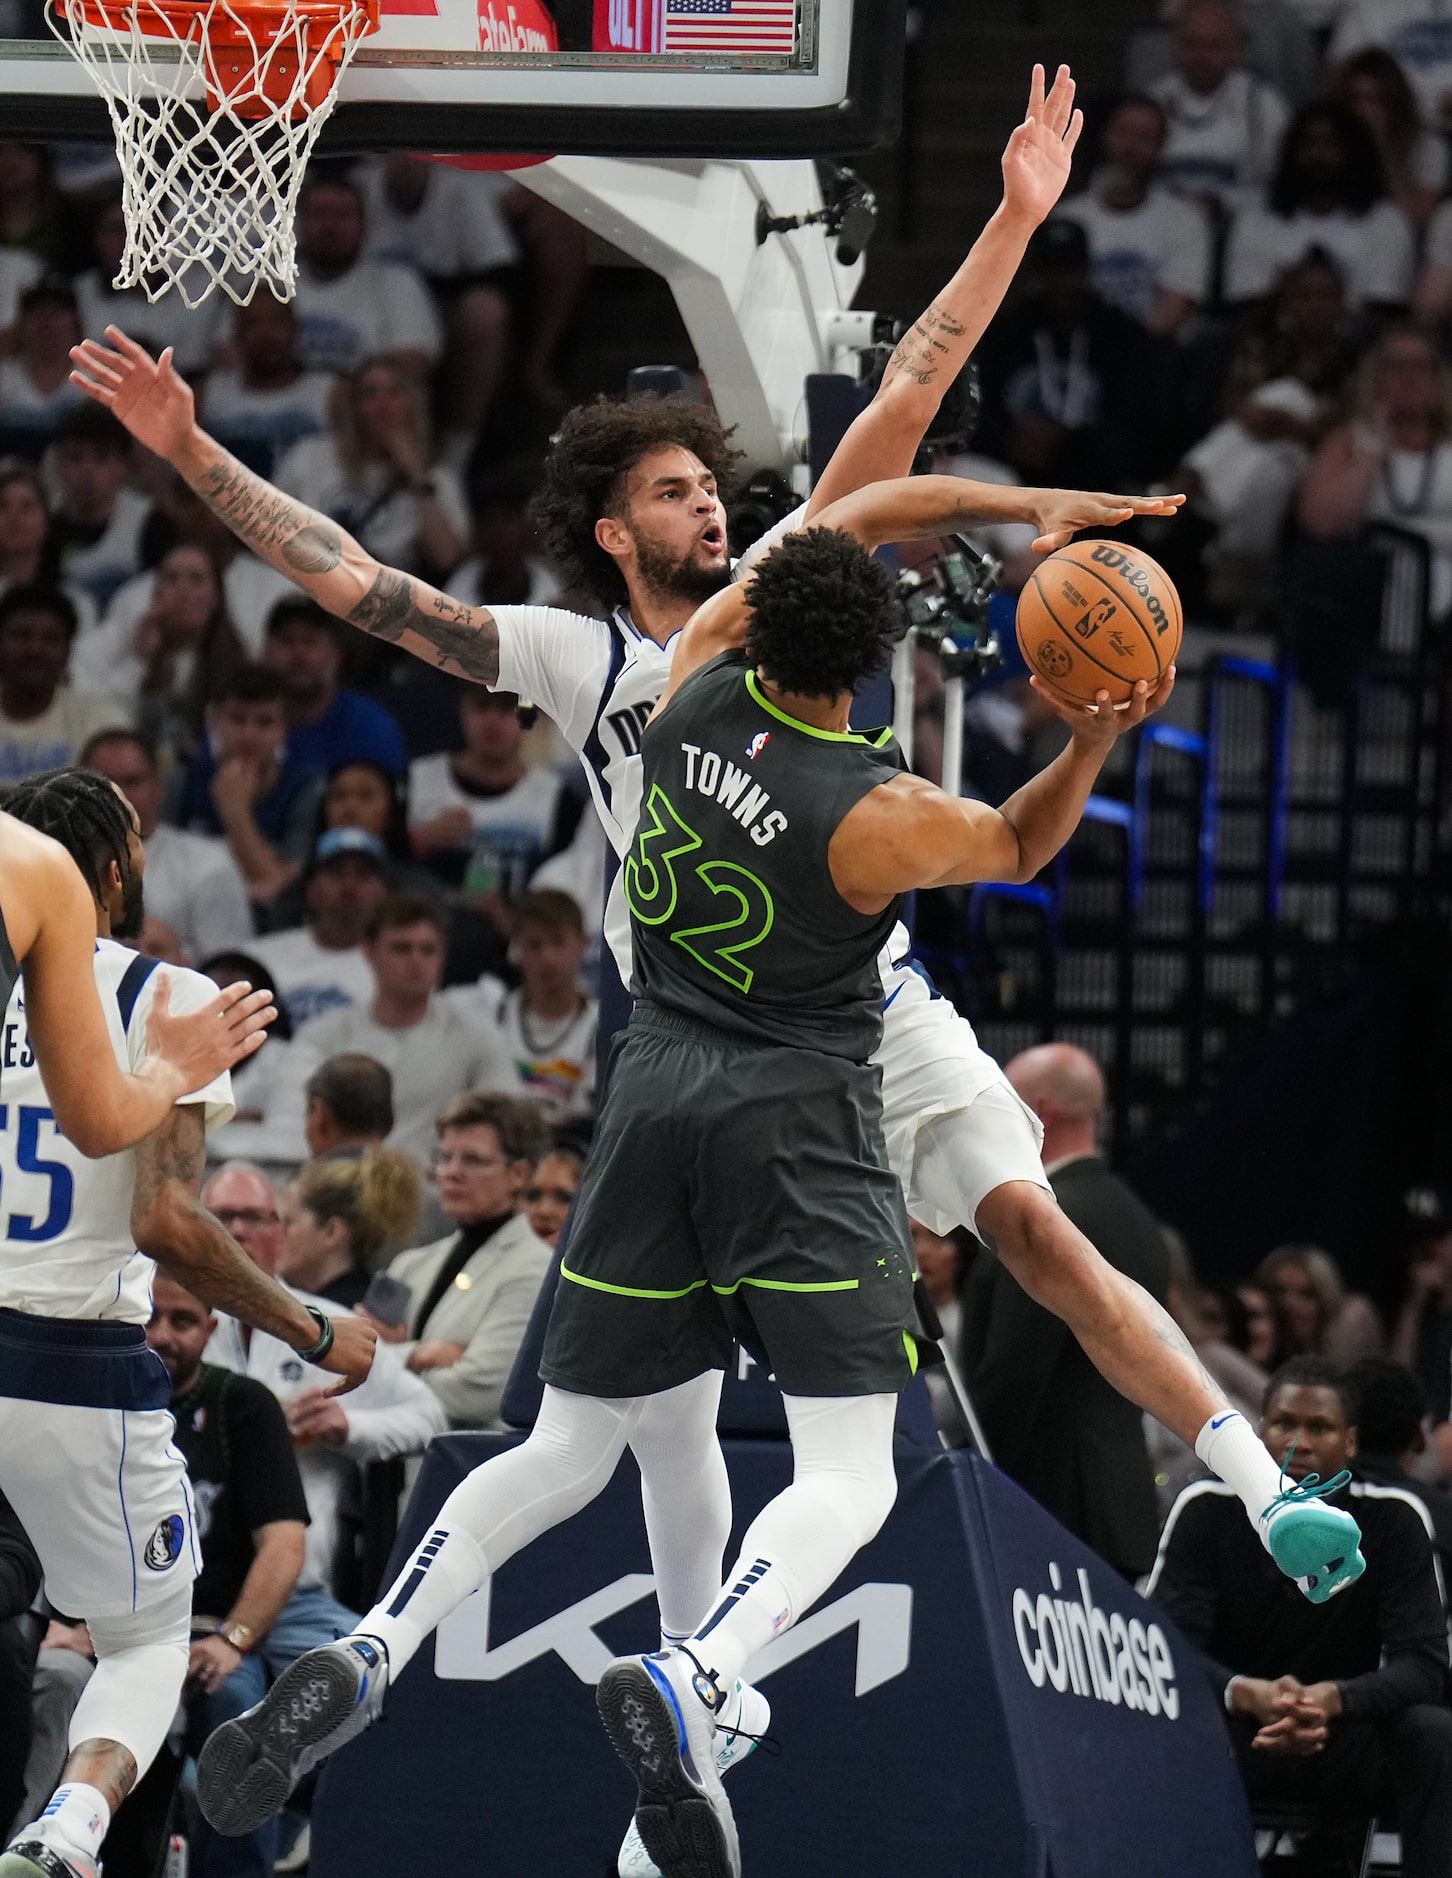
734,916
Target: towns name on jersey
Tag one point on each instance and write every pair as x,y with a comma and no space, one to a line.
715,776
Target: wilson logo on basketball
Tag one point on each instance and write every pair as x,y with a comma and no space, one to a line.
1135,577
1096,617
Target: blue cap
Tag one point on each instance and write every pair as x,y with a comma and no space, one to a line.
348,841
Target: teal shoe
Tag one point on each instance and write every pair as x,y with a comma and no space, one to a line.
1317,1545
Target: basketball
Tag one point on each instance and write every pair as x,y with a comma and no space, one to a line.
1099,616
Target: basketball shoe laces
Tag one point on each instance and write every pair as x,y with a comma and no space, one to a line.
707,1677
1311,1488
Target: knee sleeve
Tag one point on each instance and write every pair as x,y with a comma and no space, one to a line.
842,1454
141,1664
686,1497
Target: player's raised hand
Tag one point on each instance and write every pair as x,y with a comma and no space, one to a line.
200,1045
1063,512
1102,721
1037,160
146,394
351,1357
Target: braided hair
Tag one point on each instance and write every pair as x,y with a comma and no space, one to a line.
81,810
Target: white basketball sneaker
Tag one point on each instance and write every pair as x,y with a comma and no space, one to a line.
743,1719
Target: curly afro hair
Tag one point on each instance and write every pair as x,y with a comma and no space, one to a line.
597,446
822,614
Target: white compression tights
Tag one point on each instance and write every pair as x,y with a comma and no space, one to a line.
141,1663
568,1459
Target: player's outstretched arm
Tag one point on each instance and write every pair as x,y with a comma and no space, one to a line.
910,834
916,508
884,439
170,1224
51,919
157,407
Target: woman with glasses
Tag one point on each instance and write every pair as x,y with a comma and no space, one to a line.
469,1296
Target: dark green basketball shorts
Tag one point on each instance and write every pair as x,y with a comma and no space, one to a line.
736,1190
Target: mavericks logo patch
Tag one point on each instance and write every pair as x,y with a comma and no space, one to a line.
164,1546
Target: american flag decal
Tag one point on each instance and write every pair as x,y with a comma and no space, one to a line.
731,26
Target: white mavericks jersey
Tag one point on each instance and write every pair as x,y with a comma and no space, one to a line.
65,1220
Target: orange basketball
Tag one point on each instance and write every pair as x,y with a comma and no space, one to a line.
1099,616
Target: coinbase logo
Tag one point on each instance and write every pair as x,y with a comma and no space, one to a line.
1071,1644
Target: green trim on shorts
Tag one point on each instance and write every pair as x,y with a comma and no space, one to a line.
631,1291
910,1344
780,1284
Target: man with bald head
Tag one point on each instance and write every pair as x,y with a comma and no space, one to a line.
1054,1424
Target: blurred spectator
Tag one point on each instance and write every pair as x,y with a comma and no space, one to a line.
1433,302
944,1270
547,1024
1413,158
579,871
1053,1423
392,1415
349,1106
269,401
1149,251
506,567
352,309
1225,124
251,1525
1391,463
44,721
19,1637
483,818
471,1294
547,1199
1391,1434
1337,1706
195,333
182,651
29,552
1322,1318
321,966
19,269
1074,391
35,382
1415,33
374,472
1328,193
328,725
1254,1324
432,1047
556,248
252,1080
445,224
243,784
338,1215
192,883
1423,1335
31,214
96,520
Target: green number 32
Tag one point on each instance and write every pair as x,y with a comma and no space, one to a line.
652,892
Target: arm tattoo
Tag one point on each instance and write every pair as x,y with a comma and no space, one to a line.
267,520
461,637
923,348
173,1227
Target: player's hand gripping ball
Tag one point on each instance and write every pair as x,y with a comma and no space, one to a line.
1098,616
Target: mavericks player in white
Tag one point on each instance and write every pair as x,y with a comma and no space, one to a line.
86,1452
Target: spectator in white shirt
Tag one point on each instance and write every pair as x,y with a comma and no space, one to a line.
321,966
1149,250
28,550
1225,125
373,471
1413,158
35,387
506,564
195,333
1418,35
446,224
19,269
352,309
1328,193
259,408
96,518
548,1023
192,883
30,208
43,721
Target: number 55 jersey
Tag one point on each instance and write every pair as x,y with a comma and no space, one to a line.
65,1220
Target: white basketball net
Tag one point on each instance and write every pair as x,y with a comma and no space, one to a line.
216,107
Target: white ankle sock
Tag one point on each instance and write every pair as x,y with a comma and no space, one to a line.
75,1821
1228,1444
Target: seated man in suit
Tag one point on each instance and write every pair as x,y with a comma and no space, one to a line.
1340,1706
471,1293
1054,1424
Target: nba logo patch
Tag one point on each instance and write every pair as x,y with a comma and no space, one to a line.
164,1546
758,743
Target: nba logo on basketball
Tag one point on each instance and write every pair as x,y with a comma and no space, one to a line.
758,743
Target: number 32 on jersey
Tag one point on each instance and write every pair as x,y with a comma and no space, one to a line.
653,892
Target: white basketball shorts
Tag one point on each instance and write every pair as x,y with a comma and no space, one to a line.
88,1461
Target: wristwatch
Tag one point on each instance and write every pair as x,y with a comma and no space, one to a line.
238,1635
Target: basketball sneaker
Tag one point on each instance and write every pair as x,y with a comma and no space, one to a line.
248,1766
1317,1545
660,1714
29,1858
741,1721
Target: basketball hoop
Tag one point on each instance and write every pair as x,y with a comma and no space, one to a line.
216,106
